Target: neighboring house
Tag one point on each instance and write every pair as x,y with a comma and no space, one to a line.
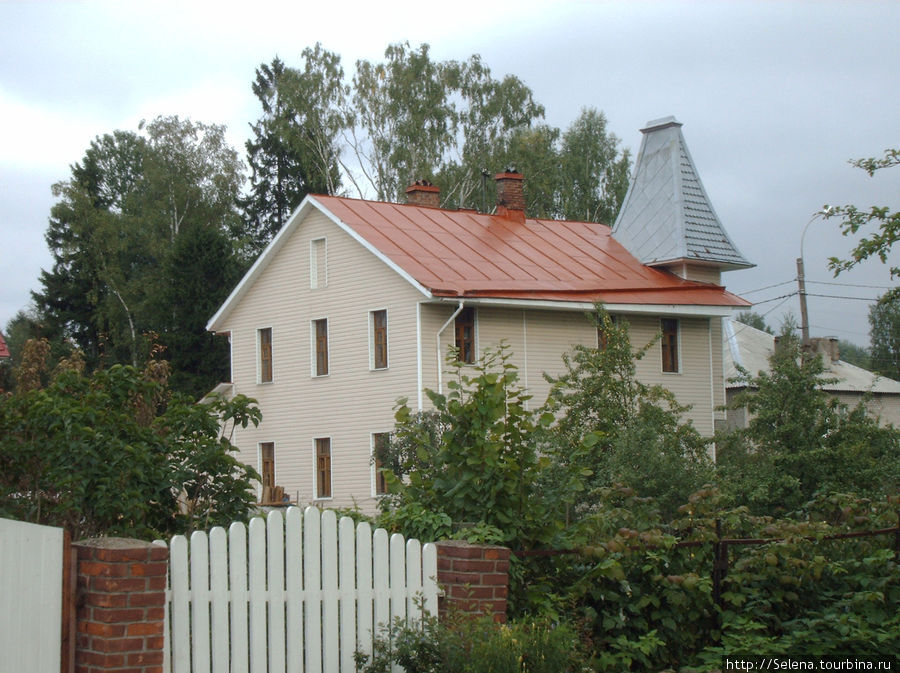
355,303
751,349
4,350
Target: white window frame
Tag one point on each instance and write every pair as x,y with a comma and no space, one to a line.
315,459
259,369
316,260
387,327
313,353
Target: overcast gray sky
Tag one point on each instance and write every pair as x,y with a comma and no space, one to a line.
775,99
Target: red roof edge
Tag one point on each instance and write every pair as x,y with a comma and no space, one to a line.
4,350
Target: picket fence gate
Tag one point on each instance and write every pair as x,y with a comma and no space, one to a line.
32,575
301,593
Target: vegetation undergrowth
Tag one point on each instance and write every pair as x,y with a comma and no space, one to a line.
611,478
465,645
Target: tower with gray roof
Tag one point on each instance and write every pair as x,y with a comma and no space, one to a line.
667,219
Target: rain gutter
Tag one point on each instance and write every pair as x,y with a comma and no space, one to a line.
440,362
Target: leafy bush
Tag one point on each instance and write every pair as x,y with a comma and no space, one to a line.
472,462
608,427
647,603
114,453
475,646
802,442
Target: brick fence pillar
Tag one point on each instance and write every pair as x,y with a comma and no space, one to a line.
474,578
121,606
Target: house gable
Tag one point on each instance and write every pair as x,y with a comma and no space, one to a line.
311,204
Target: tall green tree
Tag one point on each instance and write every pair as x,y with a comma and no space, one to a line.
78,300
886,223
593,182
295,148
884,333
115,229
491,113
411,117
404,117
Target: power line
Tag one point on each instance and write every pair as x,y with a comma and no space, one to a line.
766,301
767,287
833,296
873,287
784,299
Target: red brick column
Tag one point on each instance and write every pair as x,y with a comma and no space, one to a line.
475,579
121,606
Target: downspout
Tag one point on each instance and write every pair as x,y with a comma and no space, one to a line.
440,361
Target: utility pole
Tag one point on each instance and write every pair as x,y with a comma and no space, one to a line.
801,282
804,316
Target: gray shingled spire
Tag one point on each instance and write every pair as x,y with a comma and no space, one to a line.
666,216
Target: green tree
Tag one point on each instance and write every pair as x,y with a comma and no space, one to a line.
77,293
295,146
594,175
886,222
24,325
855,355
473,461
884,334
115,230
612,428
115,453
407,120
491,113
753,319
800,441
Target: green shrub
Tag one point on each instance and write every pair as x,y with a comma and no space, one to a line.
475,646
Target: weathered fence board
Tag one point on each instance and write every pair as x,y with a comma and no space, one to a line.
31,597
299,593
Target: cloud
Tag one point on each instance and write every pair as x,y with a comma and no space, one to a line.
37,137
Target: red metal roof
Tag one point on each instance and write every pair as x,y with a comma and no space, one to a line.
462,253
4,351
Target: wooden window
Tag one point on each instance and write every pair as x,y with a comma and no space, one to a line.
267,470
267,463
318,264
379,340
323,467
602,334
465,335
380,441
265,354
669,345
320,330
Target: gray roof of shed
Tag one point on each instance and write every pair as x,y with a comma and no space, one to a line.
666,216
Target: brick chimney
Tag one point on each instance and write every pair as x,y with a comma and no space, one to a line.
827,347
423,193
510,197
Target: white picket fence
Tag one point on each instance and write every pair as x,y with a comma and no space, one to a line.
300,594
